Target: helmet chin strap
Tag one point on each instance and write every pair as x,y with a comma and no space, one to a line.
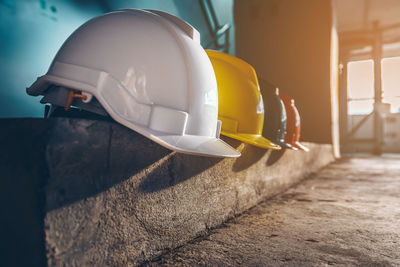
71,96
59,96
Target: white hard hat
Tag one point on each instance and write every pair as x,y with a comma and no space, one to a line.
148,70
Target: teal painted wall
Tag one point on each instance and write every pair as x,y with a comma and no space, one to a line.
31,32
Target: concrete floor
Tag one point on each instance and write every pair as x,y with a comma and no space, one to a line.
347,214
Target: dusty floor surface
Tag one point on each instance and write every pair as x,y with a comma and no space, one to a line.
347,214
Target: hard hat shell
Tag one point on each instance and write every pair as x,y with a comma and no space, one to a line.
148,70
293,122
240,103
275,118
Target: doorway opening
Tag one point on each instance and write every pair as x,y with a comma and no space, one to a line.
363,109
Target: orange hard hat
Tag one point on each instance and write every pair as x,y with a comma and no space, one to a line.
292,122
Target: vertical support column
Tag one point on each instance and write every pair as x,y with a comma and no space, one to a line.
334,82
343,119
378,90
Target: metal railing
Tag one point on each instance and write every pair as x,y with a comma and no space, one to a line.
217,31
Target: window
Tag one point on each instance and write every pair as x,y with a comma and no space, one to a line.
391,82
360,87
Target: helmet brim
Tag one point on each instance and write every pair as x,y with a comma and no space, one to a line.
301,146
196,145
286,145
253,139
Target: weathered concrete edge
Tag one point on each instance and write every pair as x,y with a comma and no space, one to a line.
130,219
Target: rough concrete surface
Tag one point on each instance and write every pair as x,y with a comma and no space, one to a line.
347,214
115,198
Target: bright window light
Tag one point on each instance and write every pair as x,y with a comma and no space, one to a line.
360,86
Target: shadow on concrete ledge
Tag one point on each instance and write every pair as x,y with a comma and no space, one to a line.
250,155
87,157
179,167
275,156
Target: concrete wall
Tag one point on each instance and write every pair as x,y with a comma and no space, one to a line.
289,44
78,192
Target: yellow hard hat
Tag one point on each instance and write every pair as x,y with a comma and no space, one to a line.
240,104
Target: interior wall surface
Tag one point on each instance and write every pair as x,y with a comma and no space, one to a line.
32,31
289,44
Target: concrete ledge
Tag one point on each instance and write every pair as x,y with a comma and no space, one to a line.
114,197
